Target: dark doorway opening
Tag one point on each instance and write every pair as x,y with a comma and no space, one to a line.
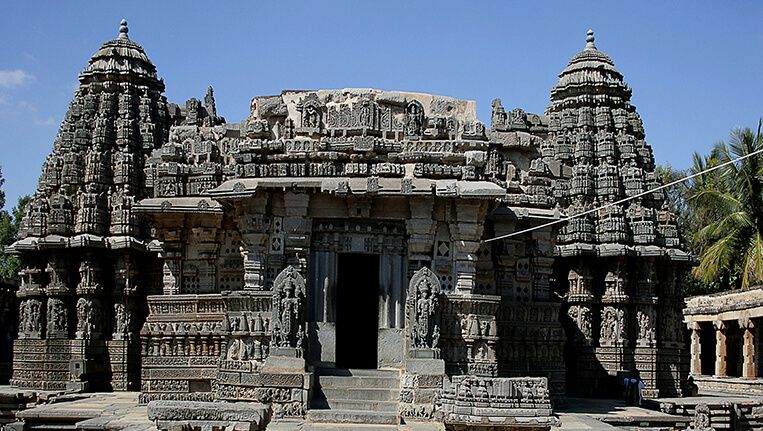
733,349
357,328
707,348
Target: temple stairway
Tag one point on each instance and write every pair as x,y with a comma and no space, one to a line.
360,396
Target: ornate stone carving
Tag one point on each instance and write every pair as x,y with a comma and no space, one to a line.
58,326
414,119
89,318
287,321
613,327
423,310
30,325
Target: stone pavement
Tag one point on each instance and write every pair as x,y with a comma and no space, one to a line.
98,411
120,411
604,414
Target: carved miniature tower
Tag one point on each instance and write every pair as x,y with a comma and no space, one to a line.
81,243
623,262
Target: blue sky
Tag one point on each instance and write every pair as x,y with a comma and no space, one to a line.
695,67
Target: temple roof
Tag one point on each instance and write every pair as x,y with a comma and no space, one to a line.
590,71
121,60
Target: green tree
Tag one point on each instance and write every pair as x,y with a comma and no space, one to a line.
730,211
9,228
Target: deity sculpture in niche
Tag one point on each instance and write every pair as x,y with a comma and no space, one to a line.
422,309
288,303
311,109
30,317
123,324
414,118
88,318
57,322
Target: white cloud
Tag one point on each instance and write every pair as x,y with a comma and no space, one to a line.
50,121
26,106
14,78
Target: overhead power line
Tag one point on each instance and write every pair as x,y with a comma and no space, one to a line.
664,186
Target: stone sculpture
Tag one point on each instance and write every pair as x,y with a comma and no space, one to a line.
287,327
423,310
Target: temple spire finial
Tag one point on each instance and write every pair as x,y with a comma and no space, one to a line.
589,40
123,29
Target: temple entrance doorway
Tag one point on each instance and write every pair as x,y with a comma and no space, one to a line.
357,308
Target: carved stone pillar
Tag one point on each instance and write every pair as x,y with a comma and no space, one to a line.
614,315
421,231
696,349
171,274
252,225
748,349
125,287
580,299
57,290
253,252
32,305
89,316
296,230
467,231
720,348
205,255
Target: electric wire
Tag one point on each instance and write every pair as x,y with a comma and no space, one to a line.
664,186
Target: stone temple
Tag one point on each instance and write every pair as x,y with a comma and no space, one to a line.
342,240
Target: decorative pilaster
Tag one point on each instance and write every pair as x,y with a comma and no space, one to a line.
89,316
614,315
421,232
720,347
252,225
748,348
467,231
696,349
57,292
31,307
580,299
296,231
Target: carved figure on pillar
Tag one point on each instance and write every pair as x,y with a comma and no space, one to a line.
288,303
58,326
646,328
422,309
88,318
613,327
31,324
123,324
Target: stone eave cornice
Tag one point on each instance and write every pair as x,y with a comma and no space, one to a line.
243,188
119,242
712,307
514,212
193,204
614,250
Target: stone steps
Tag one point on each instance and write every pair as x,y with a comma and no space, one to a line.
355,397
373,406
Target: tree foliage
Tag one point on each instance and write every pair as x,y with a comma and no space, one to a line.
729,205
9,228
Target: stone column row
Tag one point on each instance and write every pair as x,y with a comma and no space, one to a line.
749,348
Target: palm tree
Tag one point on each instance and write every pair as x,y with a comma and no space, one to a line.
731,243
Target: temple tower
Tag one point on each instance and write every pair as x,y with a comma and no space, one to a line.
82,245
620,263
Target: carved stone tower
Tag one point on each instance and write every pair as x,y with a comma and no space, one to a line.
82,244
618,267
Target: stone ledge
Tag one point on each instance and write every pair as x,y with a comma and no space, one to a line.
174,411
